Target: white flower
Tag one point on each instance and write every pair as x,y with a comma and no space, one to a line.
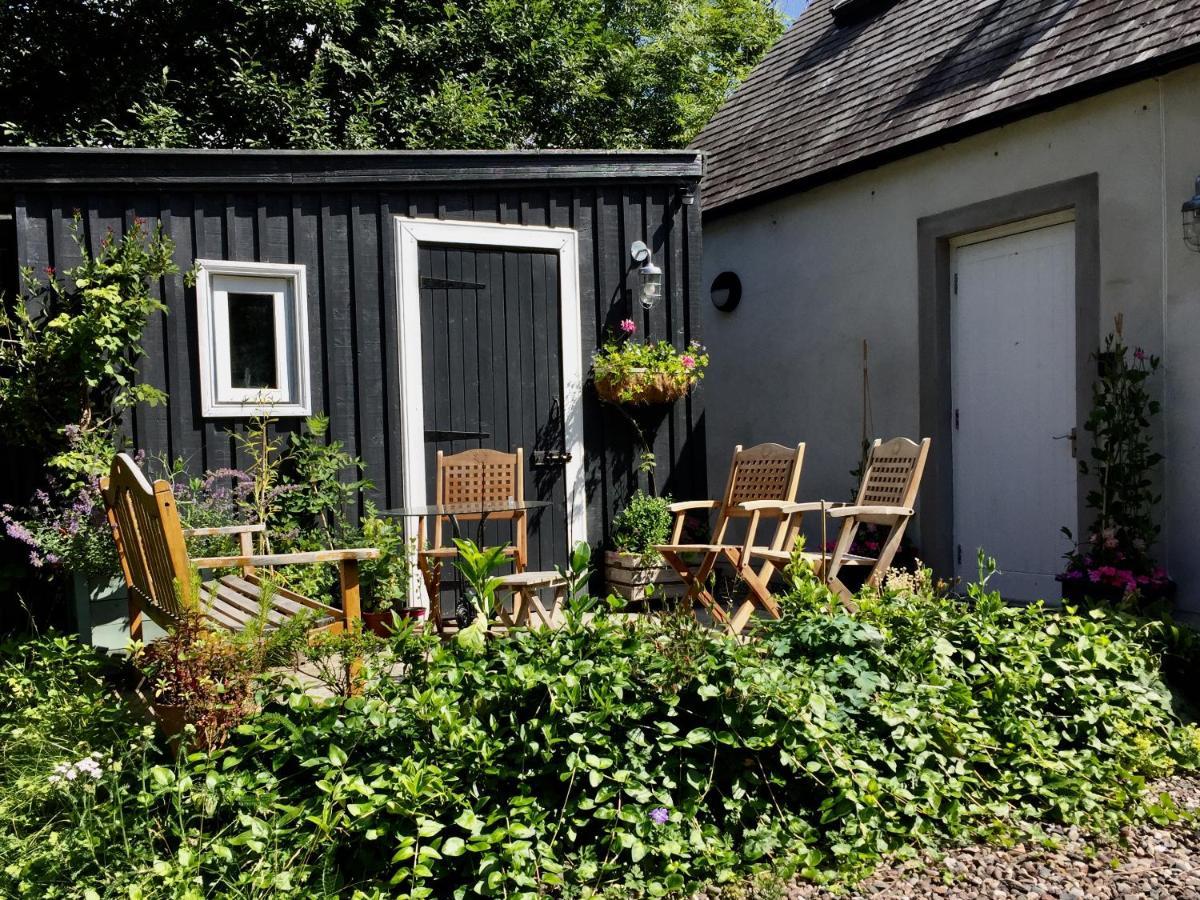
92,766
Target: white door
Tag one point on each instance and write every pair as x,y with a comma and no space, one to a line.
1013,402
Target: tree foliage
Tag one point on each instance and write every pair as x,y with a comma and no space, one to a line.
325,74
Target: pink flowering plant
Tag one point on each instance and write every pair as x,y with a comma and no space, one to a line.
626,365
1115,554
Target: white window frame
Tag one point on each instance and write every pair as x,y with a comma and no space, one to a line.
215,280
565,241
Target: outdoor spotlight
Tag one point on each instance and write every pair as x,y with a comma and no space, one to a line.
651,274
1191,220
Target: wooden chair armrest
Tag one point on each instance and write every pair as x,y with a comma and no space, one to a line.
813,506
680,511
287,559
779,506
250,528
688,505
846,511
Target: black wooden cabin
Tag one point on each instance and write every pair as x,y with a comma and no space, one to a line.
491,313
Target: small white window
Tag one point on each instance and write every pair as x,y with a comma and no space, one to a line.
253,324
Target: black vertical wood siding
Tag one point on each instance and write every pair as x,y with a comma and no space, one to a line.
344,236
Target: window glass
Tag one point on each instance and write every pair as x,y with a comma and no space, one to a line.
252,341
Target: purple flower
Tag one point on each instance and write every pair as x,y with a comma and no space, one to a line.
659,815
19,532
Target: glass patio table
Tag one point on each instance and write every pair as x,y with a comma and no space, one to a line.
452,511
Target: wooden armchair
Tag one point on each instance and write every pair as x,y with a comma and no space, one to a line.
886,496
762,480
158,570
473,477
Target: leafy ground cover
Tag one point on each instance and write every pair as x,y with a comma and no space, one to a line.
634,758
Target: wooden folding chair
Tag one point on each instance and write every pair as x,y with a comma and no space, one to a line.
158,570
886,496
465,479
762,480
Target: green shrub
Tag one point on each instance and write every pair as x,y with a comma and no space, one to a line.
644,523
647,757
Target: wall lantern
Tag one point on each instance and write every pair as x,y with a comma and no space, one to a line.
1191,220
651,274
726,291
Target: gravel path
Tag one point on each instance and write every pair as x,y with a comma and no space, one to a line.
1148,863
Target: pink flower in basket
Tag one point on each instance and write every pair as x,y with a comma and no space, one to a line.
628,326
687,361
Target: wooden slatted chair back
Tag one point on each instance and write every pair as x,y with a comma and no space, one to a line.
893,476
763,472
480,476
149,537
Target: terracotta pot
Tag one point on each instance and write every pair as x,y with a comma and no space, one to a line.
642,388
172,720
380,623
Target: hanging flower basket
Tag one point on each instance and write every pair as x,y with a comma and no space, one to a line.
640,387
646,374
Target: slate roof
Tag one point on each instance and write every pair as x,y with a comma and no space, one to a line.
831,99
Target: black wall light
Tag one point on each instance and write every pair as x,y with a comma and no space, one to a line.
726,291
652,275
1191,220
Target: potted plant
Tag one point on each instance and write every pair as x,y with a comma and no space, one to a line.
200,677
633,569
386,581
478,606
1114,561
646,374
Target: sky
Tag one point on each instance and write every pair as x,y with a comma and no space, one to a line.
791,8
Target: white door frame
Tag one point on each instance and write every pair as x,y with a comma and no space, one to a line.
564,241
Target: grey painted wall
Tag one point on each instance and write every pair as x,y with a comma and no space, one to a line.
823,270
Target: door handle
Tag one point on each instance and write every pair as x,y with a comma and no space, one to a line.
1071,436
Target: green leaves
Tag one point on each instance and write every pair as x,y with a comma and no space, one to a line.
310,74
1113,558
643,523
70,344
641,759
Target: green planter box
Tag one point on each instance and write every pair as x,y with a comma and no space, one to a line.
101,613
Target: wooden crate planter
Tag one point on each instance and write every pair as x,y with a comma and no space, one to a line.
628,577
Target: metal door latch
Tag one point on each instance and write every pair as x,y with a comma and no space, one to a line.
545,458
1071,436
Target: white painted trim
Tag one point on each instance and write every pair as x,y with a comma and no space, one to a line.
1020,227
409,234
218,399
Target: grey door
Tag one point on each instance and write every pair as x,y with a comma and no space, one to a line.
492,373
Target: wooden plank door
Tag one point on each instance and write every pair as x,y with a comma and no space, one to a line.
492,375
1014,405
